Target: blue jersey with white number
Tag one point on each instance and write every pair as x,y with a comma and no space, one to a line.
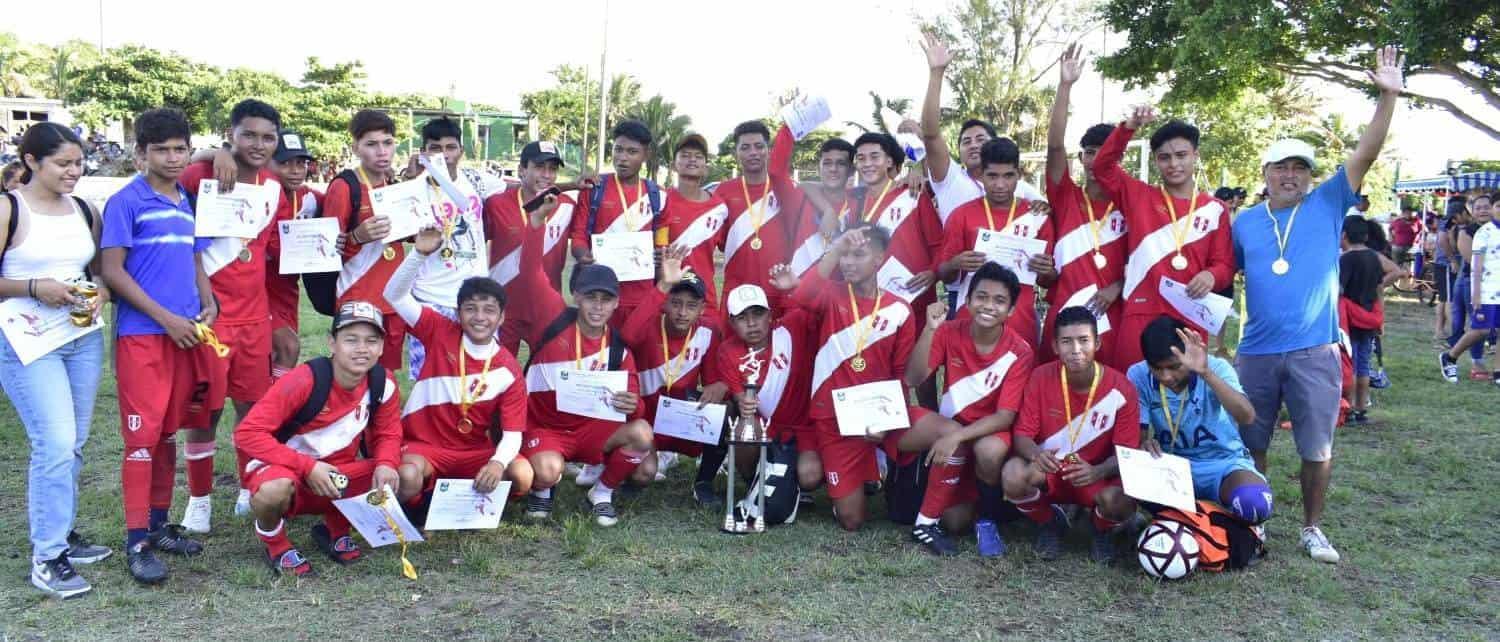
1205,431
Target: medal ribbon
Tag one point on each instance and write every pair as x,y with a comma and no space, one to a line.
211,339
1282,239
680,360
521,207
1178,232
990,217
862,331
578,346
1094,223
406,566
631,210
1073,432
465,401
757,209
870,214
1166,409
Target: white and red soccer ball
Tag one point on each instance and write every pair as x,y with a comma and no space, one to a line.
1167,550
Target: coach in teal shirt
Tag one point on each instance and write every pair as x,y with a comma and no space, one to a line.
1288,248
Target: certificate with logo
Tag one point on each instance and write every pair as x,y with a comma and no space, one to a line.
870,408
241,213
587,393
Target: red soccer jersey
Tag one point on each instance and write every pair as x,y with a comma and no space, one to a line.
433,409
962,231
366,266
679,359
304,202
333,435
504,224
884,324
978,385
915,230
238,285
1153,232
1080,232
1093,431
743,263
783,369
611,219
696,225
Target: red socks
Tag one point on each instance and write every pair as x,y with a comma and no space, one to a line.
1036,507
944,482
619,465
200,467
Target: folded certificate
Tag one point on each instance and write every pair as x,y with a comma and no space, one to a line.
893,277
408,206
587,393
1010,251
374,521
805,114
1208,312
685,420
457,506
870,408
309,245
1167,480
34,328
629,254
242,213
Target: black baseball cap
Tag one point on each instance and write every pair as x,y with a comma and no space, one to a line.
691,284
595,278
289,145
357,312
540,152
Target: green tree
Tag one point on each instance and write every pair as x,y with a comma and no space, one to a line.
131,79
667,127
559,109
879,105
1208,50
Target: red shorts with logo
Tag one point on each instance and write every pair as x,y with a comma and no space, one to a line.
160,386
449,462
244,375
304,500
282,296
849,462
584,445
1060,491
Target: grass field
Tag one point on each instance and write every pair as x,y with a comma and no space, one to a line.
1412,509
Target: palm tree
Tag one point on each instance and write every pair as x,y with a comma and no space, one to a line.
667,127
879,105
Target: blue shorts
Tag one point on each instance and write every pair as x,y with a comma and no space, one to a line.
1364,356
1487,318
1209,474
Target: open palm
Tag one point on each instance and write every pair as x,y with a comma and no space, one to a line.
1071,64
1386,76
937,52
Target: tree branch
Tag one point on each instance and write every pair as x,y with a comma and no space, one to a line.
1306,70
1474,83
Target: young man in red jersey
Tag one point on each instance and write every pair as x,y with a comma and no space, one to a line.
369,257
986,367
670,335
1173,231
757,233
999,210
817,224
1089,254
506,221
237,273
467,411
864,335
908,218
298,472
627,202
693,217
1075,411
291,164
567,339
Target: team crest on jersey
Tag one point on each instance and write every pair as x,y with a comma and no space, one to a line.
133,422
533,443
833,478
361,411
991,380
782,362
477,387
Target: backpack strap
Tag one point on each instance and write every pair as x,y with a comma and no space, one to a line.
616,350
322,371
653,196
11,225
376,385
88,221
596,198
356,195
568,317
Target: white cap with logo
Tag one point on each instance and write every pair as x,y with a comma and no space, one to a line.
1289,148
745,297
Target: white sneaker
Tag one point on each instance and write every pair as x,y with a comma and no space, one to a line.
1317,546
196,517
664,460
589,475
242,503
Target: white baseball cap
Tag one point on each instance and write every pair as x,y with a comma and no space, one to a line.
745,297
1289,148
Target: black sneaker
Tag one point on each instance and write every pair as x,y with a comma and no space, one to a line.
704,494
169,538
82,551
343,550
1102,548
934,538
144,566
291,562
604,513
538,507
1049,536
57,578
1448,367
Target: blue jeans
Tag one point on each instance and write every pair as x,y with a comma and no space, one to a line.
54,396
1459,310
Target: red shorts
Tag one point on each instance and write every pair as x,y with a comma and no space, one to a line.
160,386
449,462
675,445
805,437
282,296
584,444
244,375
304,501
849,462
395,340
1059,491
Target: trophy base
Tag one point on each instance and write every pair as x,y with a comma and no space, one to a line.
740,524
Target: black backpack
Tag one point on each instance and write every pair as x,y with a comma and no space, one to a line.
568,317
596,197
322,370
783,493
322,287
14,223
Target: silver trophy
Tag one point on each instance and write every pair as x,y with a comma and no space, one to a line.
747,430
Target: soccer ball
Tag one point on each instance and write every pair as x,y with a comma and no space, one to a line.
1167,550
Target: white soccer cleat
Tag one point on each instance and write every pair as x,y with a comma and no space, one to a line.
198,514
1317,546
589,475
242,503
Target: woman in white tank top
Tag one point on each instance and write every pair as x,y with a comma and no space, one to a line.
48,365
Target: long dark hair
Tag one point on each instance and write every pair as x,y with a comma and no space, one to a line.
42,140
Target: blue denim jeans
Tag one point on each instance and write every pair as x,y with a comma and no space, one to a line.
1460,307
54,396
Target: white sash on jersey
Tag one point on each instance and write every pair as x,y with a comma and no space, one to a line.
966,391
508,268
322,442
356,268
897,212
1080,242
225,250
1030,223
559,222
434,391
1160,244
704,228
743,229
1099,419
808,254
841,347
773,384
542,377
655,379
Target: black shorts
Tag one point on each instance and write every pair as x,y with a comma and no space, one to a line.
1441,280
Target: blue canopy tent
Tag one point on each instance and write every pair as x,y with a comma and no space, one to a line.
1444,185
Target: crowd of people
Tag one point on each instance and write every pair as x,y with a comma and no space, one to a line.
1027,419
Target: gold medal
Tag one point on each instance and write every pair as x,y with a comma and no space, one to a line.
755,243
389,253
245,255
376,498
465,426
1100,261
446,253
857,363
1280,267
1072,459
1179,262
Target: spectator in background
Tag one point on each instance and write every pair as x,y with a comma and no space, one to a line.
1362,208
10,177
1464,303
1404,233
1445,269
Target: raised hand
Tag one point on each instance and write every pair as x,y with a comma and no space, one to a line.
936,51
1140,116
1070,66
1194,353
671,265
937,313
1387,76
782,277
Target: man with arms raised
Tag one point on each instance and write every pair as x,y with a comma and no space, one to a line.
1288,247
